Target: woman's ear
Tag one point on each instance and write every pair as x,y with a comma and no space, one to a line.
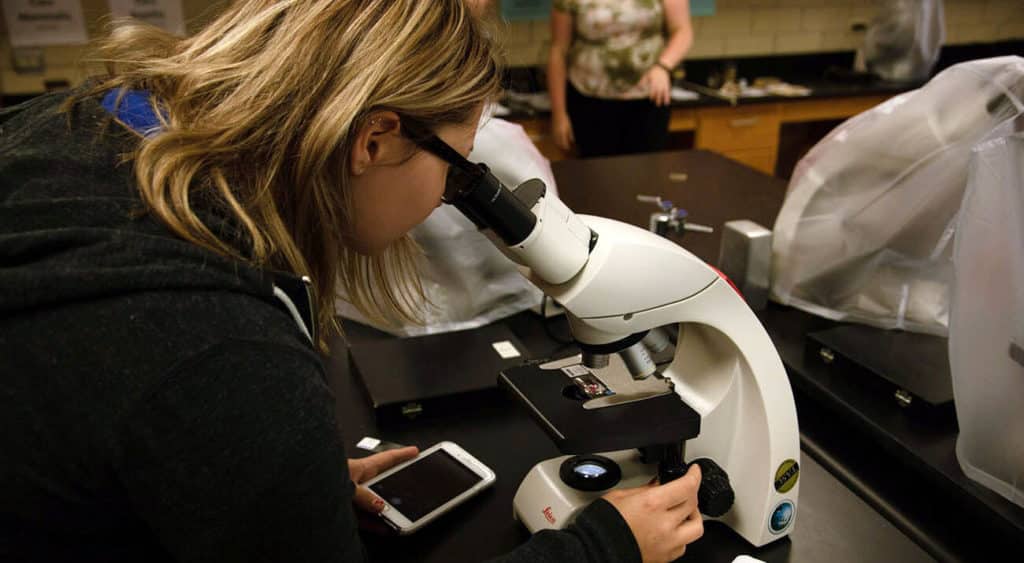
378,141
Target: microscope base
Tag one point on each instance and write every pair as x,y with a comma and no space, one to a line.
544,502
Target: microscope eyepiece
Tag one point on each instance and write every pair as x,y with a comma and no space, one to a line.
489,204
472,189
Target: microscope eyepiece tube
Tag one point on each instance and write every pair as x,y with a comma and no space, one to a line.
489,204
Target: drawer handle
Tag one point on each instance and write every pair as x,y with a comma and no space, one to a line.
744,122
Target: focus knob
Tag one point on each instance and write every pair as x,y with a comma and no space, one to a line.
715,496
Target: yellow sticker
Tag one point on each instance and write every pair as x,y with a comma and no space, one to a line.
786,475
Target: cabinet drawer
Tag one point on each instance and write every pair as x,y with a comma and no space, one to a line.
821,110
682,120
725,129
758,159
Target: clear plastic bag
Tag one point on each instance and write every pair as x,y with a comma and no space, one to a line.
904,39
865,231
467,280
986,332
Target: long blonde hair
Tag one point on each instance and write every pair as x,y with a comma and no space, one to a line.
260,111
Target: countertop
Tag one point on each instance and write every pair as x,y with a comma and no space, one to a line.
825,74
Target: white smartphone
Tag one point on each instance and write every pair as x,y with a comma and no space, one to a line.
425,487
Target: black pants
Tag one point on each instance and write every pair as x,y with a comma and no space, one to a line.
609,127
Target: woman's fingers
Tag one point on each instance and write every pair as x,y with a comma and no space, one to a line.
660,95
680,491
565,139
562,140
365,500
692,528
370,466
663,94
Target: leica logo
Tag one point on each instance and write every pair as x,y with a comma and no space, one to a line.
548,515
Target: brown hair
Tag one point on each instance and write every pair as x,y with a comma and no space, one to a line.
260,111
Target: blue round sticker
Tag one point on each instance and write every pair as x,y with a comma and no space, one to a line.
781,517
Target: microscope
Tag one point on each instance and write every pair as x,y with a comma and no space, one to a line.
675,369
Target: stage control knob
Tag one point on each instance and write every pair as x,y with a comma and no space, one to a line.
715,496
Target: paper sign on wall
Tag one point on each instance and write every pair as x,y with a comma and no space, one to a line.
36,23
525,9
165,14
702,7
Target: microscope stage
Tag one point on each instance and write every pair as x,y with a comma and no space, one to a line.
549,394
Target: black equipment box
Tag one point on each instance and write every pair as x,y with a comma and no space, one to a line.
406,378
908,367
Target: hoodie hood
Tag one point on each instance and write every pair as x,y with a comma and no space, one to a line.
72,226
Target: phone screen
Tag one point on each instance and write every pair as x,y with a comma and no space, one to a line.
422,487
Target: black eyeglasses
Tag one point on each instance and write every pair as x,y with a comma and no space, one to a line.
462,174
477,193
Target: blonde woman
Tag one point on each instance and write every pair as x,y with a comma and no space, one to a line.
162,398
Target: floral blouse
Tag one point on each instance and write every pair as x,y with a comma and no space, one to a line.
614,43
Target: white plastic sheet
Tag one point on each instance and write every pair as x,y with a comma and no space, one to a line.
468,281
865,231
903,42
986,332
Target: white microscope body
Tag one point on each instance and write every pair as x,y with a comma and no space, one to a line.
617,281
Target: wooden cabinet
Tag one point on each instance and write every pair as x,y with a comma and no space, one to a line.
682,119
829,108
746,134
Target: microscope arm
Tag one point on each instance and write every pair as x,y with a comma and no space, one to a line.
596,268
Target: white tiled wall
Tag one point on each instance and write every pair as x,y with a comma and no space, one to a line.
767,27
738,28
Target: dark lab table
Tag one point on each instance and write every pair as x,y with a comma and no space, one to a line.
833,524
715,190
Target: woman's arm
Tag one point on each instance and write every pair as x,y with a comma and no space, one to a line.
561,39
658,77
677,20
236,456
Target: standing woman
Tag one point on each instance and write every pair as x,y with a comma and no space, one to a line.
610,72
161,393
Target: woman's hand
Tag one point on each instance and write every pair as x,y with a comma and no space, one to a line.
659,85
664,519
366,468
561,131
